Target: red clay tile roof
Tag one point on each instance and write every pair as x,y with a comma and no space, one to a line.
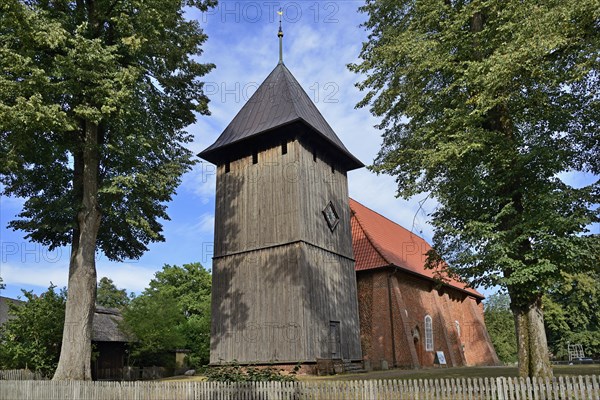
379,242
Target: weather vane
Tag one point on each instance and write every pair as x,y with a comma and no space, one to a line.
280,36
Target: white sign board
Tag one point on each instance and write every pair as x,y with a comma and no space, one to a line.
440,358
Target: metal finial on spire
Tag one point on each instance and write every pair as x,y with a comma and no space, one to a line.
280,36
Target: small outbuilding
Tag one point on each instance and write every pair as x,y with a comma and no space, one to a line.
5,303
110,345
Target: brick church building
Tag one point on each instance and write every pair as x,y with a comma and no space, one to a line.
406,316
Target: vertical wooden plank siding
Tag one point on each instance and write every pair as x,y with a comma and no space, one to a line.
280,275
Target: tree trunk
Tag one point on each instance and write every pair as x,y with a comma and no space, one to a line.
75,355
531,340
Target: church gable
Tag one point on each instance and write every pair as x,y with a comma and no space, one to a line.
365,254
395,245
405,316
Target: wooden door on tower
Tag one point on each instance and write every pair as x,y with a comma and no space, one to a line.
335,340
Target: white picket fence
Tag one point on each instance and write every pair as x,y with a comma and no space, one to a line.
561,388
20,375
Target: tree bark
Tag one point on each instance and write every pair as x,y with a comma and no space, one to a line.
534,359
75,357
531,338
532,345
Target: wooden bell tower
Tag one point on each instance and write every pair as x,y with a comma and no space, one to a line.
284,285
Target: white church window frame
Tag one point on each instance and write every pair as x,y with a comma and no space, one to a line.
428,333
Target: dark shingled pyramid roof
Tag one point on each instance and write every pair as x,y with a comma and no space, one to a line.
279,101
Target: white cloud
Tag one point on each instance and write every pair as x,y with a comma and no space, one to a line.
130,276
578,179
125,275
201,181
204,224
40,274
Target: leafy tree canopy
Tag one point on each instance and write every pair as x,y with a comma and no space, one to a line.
485,106
185,292
124,66
108,295
500,324
572,314
32,337
190,284
155,322
94,99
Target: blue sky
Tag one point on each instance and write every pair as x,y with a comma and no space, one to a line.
321,38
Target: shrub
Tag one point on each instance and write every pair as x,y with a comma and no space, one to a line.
234,372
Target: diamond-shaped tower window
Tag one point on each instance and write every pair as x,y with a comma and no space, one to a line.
331,216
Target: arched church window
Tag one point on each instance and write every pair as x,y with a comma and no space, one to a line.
428,333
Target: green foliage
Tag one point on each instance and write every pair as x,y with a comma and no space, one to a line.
500,324
128,68
233,372
94,99
155,323
185,291
572,314
32,338
108,295
190,284
484,104
196,331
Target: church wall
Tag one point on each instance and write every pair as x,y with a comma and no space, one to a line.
365,311
412,298
478,348
256,315
375,317
419,301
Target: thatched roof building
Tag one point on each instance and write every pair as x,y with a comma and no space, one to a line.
106,326
5,303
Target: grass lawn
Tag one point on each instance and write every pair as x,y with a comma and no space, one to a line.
183,378
465,372
432,373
